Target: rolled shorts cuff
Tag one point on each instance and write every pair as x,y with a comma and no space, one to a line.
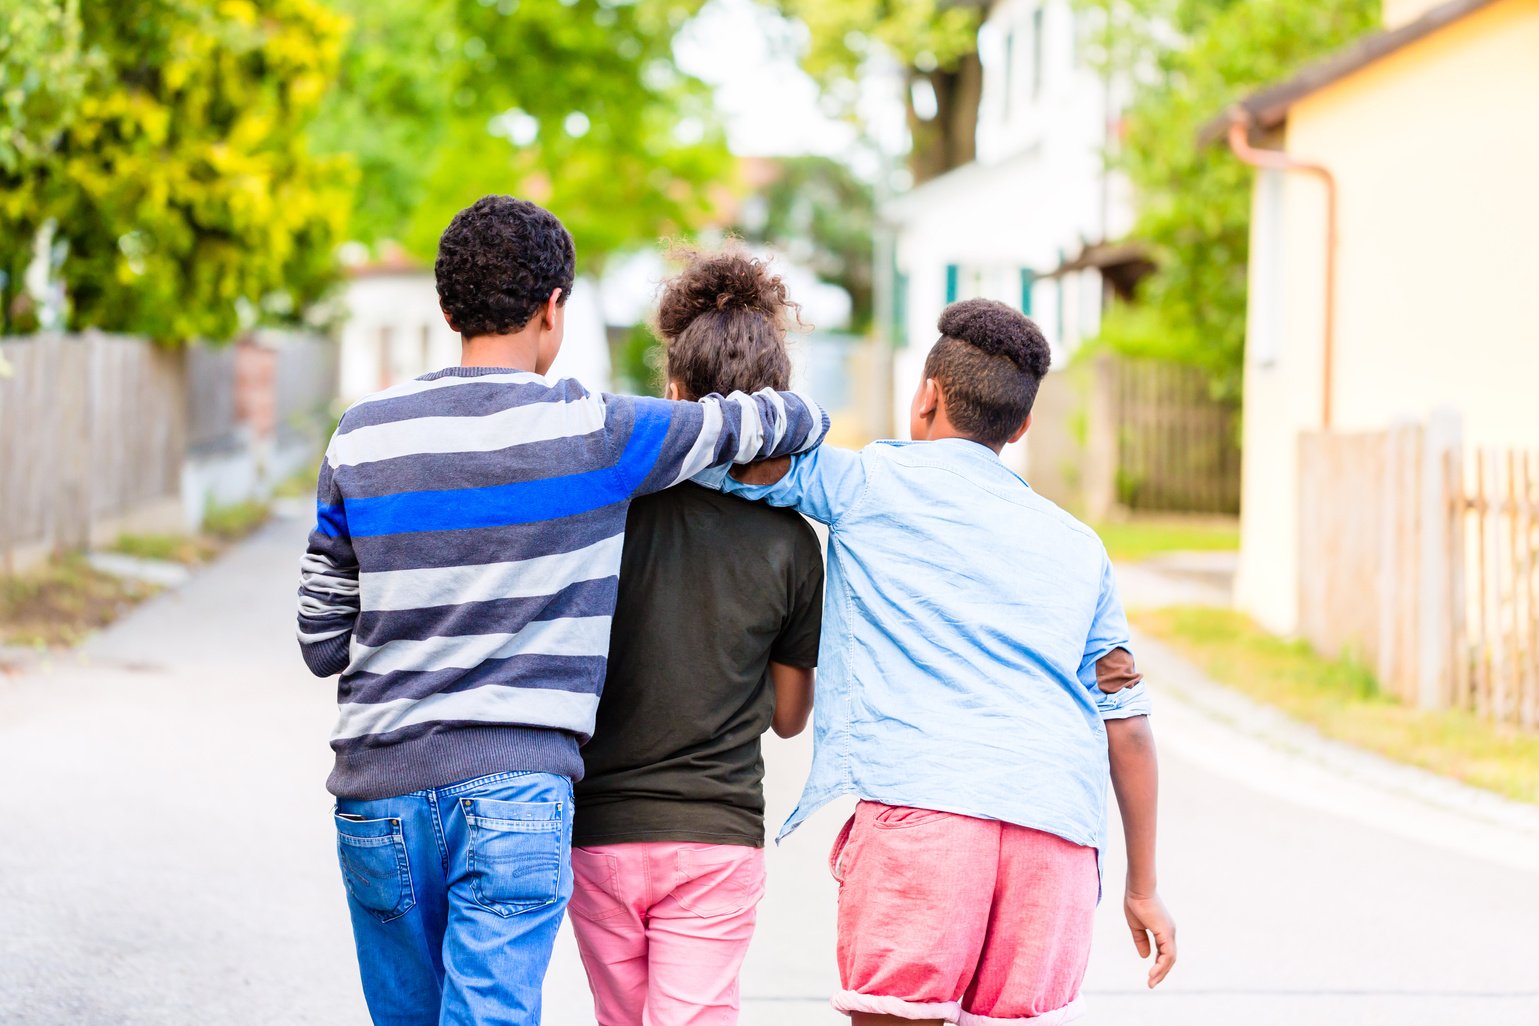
1057,1017
848,1001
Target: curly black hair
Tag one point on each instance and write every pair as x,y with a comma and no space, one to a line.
988,363
723,320
498,262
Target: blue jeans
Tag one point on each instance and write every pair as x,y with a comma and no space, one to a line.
456,895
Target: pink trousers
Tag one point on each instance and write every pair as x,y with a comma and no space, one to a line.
663,926
965,920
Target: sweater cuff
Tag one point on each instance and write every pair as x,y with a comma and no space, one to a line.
330,657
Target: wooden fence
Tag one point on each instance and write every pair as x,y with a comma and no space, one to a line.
1424,563
1116,435
1178,448
1496,618
92,428
101,434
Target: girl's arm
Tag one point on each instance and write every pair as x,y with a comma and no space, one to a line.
793,698
1135,775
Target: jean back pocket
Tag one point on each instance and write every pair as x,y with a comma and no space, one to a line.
514,853
372,853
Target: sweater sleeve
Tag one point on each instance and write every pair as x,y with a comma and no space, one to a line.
668,442
328,583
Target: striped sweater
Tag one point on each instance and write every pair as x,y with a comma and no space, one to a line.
463,569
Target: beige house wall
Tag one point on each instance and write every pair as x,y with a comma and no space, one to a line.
1436,155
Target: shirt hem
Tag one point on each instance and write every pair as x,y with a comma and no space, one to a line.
647,836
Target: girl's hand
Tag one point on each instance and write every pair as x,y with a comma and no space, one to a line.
1146,915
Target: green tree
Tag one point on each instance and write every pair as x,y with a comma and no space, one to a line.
820,214
576,105
1192,59
175,175
936,44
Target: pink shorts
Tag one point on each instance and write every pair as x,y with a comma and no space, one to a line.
967,920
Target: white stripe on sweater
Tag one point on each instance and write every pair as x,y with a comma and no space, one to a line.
517,425
571,636
494,703
703,453
484,582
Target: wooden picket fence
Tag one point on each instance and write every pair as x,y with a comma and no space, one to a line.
1423,562
1496,620
1178,448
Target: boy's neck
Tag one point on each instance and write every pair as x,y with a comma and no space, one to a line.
517,351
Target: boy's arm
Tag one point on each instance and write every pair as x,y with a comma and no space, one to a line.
1108,671
1135,779
328,583
668,442
823,484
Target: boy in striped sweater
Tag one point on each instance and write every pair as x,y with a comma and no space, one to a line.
461,579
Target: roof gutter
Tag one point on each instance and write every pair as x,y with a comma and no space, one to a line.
1240,121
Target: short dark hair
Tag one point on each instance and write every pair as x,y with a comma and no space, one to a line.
988,363
723,321
498,262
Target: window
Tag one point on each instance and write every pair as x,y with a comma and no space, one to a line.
1009,86
899,308
1266,272
953,282
1028,280
1036,52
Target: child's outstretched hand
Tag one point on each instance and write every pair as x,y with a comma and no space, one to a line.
1147,916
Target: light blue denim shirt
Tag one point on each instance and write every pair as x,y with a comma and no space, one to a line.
963,620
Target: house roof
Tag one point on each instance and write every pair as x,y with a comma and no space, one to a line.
1269,107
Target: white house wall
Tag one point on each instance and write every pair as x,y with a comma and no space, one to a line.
1036,195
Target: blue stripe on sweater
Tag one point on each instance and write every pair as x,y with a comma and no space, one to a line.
330,521
521,502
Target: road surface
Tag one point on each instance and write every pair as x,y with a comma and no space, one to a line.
166,853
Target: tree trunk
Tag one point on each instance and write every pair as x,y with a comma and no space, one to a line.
948,140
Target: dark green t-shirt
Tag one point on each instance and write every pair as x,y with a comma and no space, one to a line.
712,589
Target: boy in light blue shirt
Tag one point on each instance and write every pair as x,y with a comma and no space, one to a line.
977,692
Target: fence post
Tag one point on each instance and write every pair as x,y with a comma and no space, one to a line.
1434,626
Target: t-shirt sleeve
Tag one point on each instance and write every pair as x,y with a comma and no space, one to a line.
1108,671
797,643
823,484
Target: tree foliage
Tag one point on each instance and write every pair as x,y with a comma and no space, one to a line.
577,105
1191,60
934,41
173,171
821,215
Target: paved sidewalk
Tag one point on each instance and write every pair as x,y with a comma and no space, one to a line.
166,852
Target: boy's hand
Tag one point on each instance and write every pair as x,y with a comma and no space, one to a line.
764,472
1147,915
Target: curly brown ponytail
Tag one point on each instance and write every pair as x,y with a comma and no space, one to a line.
723,320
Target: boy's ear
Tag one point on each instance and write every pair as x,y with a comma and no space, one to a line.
549,312
672,391
1021,431
447,319
929,397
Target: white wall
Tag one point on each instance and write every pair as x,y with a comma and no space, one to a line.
1036,195
395,331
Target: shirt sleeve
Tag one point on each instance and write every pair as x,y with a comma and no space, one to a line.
667,442
1108,671
797,643
824,484
328,583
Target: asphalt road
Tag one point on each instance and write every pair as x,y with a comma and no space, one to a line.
166,852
